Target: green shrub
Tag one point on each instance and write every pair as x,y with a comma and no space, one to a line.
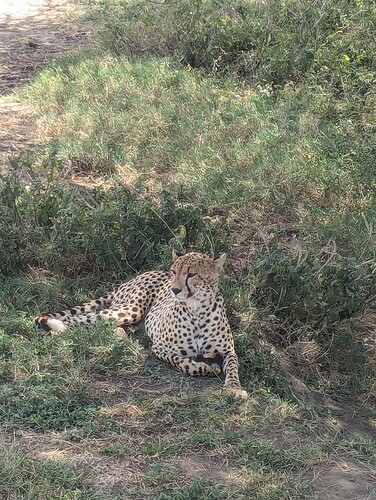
271,42
313,290
312,301
72,230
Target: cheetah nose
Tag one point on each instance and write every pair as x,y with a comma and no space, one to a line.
176,290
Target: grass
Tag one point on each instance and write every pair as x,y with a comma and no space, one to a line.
305,196
21,477
147,145
156,430
288,154
50,385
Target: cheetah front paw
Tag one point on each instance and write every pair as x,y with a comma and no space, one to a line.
237,392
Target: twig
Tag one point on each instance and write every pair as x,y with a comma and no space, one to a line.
369,228
331,256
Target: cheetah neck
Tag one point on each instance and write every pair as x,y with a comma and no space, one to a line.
196,306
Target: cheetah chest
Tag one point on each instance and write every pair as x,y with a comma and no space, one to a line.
186,328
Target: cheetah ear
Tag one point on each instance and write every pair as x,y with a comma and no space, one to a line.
220,261
175,255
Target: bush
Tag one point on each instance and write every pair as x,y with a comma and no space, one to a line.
312,302
313,290
71,230
273,42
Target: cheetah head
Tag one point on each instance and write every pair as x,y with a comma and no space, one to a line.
195,275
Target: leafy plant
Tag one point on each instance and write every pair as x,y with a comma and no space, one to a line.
313,301
72,230
313,291
270,43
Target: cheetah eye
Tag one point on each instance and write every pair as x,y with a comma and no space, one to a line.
191,275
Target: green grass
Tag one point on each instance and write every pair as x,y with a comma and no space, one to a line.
51,388
288,154
46,380
22,477
199,488
195,149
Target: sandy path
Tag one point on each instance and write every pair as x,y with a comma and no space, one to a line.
32,34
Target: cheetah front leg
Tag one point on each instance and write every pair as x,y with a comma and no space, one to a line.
186,364
231,370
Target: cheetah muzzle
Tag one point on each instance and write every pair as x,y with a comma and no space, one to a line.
183,313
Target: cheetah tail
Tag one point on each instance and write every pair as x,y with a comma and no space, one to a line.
86,313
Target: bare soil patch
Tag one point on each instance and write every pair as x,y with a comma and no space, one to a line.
344,481
169,383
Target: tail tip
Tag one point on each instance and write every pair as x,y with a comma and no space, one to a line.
48,324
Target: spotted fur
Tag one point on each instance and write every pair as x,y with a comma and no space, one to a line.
183,312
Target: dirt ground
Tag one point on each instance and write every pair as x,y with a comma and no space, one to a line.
34,33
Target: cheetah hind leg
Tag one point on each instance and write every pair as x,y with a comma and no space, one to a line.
122,331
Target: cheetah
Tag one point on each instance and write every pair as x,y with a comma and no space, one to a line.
183,313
